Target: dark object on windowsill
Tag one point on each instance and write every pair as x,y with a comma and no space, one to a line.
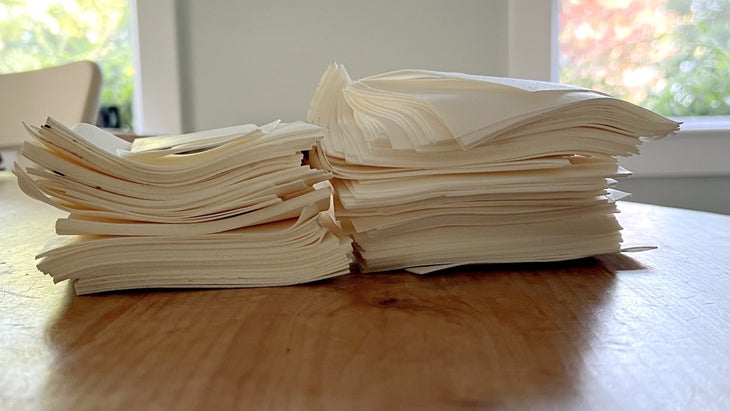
109,117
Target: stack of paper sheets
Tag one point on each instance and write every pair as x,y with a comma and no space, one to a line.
232,207
436,169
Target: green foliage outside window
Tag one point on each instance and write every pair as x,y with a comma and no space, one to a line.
42,33
671,56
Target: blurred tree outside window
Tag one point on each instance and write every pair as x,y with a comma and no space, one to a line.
41,33
671,56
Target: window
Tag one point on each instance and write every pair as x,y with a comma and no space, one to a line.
670,56
701,147
42,33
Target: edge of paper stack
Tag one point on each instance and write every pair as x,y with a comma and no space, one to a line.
232,207
428,170
435,170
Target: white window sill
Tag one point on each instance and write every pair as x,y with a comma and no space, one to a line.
699,149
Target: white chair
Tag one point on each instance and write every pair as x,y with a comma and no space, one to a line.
69,93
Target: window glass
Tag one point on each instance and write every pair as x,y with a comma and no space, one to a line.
671,56
43,33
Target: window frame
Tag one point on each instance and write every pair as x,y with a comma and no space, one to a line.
157,102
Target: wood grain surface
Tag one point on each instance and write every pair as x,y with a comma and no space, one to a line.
638,331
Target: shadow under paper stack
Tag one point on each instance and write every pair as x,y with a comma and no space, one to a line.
434,170
232,207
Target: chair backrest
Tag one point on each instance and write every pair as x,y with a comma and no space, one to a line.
69,93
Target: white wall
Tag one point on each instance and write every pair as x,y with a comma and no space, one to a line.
698,193
256,61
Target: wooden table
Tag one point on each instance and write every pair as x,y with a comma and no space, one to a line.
648,330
